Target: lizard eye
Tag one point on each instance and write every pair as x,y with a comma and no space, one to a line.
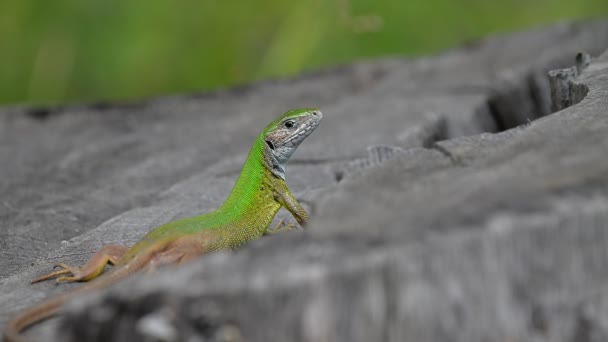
288,124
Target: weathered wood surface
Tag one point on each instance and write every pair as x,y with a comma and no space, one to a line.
448,204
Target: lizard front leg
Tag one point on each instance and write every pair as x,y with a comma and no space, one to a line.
92,269
287,200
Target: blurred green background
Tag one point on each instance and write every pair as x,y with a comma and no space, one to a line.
82,50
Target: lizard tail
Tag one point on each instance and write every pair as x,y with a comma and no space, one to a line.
37,313
50,307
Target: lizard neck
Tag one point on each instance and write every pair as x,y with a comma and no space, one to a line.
253,191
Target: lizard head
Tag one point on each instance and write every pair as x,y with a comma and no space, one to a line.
283,136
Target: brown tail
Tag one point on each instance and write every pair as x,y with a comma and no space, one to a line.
37,313
50,307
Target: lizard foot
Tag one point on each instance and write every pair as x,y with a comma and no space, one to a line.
110,254
281,227
59,274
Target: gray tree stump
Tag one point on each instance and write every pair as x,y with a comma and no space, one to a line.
450,202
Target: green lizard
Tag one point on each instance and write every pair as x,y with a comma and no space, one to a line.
258,194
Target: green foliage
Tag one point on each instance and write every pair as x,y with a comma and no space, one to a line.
75,50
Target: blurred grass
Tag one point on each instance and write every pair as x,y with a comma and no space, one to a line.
74,50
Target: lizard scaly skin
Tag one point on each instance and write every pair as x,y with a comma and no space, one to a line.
259,192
